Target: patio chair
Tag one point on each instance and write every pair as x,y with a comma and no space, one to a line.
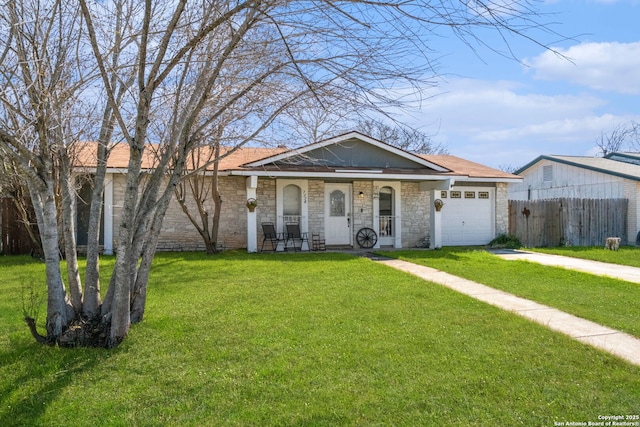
295,235
270,234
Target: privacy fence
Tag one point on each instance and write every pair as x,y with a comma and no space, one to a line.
567,222
14,236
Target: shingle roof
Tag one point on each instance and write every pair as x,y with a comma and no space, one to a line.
466,167
119,158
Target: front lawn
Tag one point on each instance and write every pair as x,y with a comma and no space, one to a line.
610,302
305,340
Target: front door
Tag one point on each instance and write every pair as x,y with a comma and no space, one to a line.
337,214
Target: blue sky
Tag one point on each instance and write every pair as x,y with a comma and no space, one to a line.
501,113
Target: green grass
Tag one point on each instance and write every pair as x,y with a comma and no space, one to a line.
304,340
610,302
626,255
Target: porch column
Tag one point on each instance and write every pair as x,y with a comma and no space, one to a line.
107,214
375,213
436,221
252,217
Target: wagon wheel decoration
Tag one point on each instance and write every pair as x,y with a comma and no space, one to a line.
366,238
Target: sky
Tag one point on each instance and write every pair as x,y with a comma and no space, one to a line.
504,113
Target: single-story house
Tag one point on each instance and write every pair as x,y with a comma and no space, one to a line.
615,176
334,188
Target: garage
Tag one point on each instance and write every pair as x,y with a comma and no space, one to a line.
468,216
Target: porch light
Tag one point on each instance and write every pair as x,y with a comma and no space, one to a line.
438,204
361,195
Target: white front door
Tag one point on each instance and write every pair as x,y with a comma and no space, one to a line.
337,214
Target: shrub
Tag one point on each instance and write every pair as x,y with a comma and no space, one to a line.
508,241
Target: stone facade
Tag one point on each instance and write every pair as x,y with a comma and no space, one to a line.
178,234
362,207
416,214
316,208
502,208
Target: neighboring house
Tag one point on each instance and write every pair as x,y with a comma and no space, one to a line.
335,188
615,176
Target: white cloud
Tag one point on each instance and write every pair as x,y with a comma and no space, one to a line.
503,123
603,66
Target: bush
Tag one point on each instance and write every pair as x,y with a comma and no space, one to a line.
507,241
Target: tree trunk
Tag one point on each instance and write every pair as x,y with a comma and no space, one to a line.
217,201
125,255
68,204
59,311
91,302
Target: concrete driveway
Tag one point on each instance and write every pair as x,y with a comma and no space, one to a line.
623,272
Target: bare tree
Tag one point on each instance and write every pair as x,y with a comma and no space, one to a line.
623,136
403,137
168,75
199,186
509,168
49,102
39,78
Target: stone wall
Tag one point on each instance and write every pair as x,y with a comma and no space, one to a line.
178,234
316,208
502,208
416,214
362,208
266,210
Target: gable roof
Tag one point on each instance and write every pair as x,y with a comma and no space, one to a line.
606,165
345,138
264,161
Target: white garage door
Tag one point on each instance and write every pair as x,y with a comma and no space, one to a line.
468,216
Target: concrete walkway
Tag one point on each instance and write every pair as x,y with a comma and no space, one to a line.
615,342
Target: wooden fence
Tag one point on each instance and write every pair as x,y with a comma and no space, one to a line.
14,237
568,222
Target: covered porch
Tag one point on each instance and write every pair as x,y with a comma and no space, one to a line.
337,214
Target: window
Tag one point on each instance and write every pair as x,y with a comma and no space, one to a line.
386,201
483,194
443,194
291,203
337,203
547,173
469,194
456,194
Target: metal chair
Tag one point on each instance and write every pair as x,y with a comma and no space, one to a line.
294,234
270,234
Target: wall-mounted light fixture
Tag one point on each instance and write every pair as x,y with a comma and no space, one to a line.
438,204
361,195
